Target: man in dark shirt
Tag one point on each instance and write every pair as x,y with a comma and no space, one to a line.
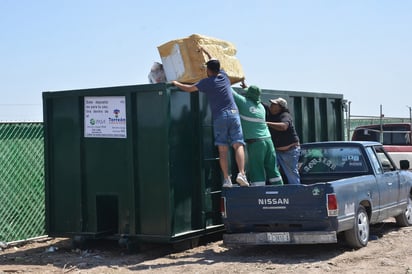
284,137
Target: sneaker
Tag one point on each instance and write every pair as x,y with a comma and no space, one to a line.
242,180
227,183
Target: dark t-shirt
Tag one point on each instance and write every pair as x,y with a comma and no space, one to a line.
282,138
218,91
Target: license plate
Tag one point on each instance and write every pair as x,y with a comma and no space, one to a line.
278,237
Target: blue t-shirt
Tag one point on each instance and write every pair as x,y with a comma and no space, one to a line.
218,91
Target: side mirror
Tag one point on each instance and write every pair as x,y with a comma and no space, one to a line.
404,164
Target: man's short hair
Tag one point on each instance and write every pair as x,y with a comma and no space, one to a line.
213,65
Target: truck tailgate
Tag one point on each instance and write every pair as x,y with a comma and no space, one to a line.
277,208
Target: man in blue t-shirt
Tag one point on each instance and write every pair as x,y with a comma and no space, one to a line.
226,122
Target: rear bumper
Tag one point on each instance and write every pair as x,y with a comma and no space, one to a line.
279,238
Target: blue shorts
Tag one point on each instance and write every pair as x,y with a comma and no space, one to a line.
227,128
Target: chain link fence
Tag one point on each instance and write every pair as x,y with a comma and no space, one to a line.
22,209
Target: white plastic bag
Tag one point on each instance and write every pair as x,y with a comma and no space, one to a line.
157,74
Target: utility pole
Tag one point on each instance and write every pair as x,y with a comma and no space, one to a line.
409,134
348,121
381,123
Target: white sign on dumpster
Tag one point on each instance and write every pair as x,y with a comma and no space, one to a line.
105,117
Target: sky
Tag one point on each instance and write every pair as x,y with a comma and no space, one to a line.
361,49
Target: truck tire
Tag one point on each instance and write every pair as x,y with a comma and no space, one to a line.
358,236
405,219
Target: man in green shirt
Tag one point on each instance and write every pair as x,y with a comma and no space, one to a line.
262,163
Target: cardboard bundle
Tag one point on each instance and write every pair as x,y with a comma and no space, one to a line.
184,61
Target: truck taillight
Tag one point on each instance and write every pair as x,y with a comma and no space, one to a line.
332,204
223,207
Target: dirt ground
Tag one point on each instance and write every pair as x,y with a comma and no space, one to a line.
389,251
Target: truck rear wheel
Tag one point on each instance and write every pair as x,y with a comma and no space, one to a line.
405,219
358,236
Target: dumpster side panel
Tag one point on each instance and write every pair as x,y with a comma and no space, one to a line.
62,165
184,159
107,164
154,198
108,175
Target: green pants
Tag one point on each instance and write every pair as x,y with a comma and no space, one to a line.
262,165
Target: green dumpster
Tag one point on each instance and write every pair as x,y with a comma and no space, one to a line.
132,161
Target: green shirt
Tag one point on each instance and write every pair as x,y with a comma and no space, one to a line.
252,117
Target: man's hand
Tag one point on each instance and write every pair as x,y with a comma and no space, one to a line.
206,52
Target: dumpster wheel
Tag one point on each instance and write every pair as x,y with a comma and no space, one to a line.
130,244
79,242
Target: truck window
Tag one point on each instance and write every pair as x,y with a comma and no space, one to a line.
384,160
374,160
332,160
365,134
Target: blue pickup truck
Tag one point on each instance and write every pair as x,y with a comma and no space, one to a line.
346,186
